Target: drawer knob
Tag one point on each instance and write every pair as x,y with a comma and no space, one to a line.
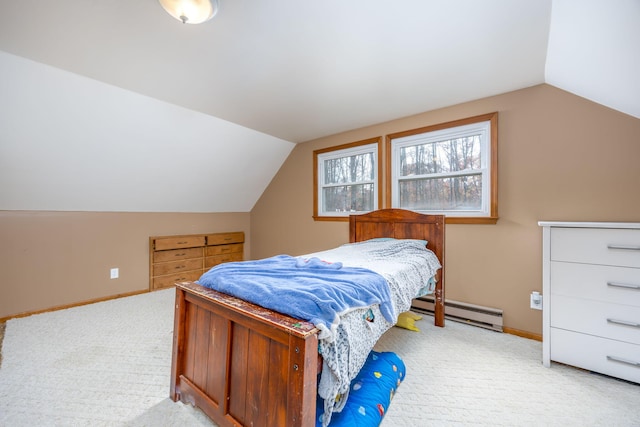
621,360
624,322
623,285
624,247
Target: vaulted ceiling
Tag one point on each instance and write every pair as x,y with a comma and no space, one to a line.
299,70
262,75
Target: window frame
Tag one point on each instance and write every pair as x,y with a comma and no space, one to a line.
490,190
346,149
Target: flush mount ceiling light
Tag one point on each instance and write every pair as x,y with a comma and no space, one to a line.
191,11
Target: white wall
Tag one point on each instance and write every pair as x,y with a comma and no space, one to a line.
69,143
594,51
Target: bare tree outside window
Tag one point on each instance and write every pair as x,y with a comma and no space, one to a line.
447,169
346,179
357,172
423,184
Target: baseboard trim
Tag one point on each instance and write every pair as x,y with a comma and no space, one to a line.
483,317
523,334
76,304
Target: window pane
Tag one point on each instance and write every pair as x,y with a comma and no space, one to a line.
452,155
349,169
457,193
348,198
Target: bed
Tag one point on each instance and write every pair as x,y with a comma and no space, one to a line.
244,364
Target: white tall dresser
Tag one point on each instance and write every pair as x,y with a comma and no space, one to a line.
591,296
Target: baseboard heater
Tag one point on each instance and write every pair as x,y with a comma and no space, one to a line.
484,317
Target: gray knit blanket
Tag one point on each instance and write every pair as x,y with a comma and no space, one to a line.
407,266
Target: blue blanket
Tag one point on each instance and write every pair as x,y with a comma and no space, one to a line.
307,289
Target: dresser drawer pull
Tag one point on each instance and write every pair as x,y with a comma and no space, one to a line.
623,285
182,243
624,322
625,247
182,254
621,360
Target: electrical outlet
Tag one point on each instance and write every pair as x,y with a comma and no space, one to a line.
536,300
115,273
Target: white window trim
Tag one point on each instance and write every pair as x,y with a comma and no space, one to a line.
483,129
346,152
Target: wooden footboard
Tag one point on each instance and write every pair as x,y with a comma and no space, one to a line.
242,364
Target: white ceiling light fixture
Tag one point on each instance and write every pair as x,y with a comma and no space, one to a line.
191,11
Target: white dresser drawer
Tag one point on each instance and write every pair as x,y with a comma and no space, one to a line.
615,321
598,282
596,246
610,357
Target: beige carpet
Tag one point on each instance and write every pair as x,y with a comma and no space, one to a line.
2,328
466,376
104,364
107,364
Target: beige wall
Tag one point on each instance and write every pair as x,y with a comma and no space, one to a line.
561,157
51,259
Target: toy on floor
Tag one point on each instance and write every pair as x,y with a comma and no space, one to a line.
407,320
371,392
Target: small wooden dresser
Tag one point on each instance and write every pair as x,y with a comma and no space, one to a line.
591,296
186,257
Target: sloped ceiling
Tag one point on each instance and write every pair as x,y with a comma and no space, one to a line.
265,74
297,70
594,51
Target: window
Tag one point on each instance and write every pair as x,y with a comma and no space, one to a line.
346,179
448,169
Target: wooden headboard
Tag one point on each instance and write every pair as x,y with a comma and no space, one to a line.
404,224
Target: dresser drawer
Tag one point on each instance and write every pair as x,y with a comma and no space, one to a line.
615,321
212,261
177,266
224,249
171,279
182,258
596,246
225,238
178,242
176,254
610,357
597,282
